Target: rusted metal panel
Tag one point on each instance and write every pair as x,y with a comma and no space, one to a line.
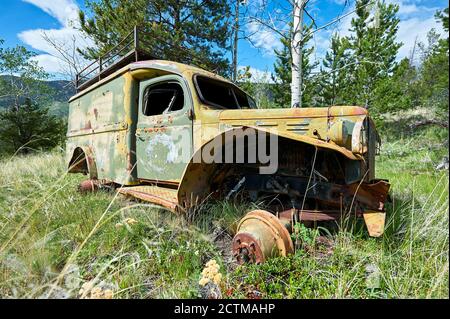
375,222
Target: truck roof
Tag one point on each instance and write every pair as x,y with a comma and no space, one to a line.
132,52
163,65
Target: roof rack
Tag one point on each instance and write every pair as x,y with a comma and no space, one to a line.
130,49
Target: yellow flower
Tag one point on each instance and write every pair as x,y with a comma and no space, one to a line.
217,278
216,267
108,294
96,293
211,262
203,281
85,288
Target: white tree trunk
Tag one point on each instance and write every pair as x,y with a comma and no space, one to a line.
296,49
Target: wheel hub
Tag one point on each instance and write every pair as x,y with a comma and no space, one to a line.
260,235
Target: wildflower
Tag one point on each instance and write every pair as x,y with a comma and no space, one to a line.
108,294
96,293
217,278
88,291
85,288
203,281
211,273
211,263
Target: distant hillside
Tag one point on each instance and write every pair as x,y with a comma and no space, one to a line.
61,92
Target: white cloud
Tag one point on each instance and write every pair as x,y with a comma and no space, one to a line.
415,28
264,38
66,13
50,63
407,9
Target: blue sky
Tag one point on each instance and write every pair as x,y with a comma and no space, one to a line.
24,21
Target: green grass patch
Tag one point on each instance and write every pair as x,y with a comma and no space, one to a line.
54,239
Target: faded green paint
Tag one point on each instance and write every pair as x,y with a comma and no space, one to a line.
101,121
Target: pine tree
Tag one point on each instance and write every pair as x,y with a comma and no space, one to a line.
399,91
189,31
30,127
334,76
434,69
282,71
374,46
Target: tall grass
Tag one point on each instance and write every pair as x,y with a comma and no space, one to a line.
54,239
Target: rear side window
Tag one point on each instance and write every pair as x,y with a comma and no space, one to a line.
162,98
223,95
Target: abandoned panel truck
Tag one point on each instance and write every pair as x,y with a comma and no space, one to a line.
176,135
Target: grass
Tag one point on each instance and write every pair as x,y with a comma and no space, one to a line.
53,239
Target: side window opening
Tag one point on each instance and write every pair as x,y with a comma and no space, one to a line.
222,95
163,98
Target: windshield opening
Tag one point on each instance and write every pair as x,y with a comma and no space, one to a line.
223,95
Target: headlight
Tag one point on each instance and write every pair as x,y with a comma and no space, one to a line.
339,132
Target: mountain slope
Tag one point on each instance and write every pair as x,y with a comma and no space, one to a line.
61,91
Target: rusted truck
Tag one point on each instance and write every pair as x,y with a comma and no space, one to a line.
144,125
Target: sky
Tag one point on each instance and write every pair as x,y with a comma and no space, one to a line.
22,22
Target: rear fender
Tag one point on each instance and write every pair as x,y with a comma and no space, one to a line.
83,161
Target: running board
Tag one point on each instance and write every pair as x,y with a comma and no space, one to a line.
161,196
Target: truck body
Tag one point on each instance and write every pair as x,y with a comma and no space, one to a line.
144,126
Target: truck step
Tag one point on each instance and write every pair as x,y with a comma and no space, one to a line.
162,196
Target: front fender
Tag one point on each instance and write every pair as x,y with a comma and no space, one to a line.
195,184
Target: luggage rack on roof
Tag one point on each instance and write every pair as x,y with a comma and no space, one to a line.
130,49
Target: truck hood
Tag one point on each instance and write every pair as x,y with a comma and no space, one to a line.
293,113
337,127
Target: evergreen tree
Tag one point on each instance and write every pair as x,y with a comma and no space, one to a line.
256,85
283,74
189,31
374,46
434,69
334,76
399,91
30,127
